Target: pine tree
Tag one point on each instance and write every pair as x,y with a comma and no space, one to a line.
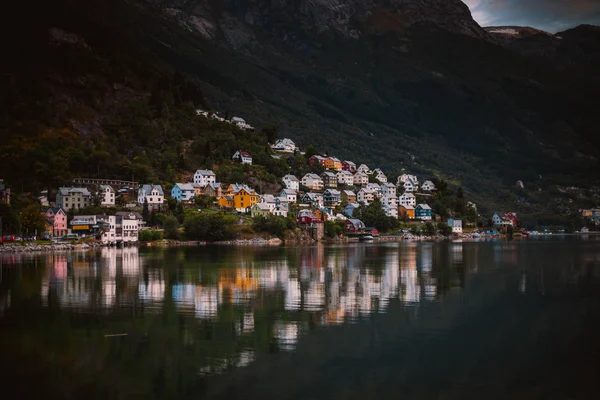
145,211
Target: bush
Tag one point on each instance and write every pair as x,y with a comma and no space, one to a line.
333,229
149,235
444,228
271,224
210,227
171,226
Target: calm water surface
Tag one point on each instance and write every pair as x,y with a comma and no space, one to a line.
389,321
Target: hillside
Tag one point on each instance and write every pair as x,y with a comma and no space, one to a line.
414,84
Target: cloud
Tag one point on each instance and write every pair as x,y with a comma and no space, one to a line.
550,15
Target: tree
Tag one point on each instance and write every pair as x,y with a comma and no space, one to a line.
270,132
429,229
32,221
145,211
374,215
444,228
171,228
310,151
179,212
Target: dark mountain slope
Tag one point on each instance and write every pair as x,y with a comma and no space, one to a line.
411,84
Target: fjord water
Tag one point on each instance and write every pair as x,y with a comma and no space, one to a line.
395,320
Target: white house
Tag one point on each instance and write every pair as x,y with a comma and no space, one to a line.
312,181
360,178
455,224
120,228
409,186
390,201
390,211
201,113
375,188
407,199
107,195
345,178
291,182
183,192
242,156
381,177
284,146
280,210
408,178
204,177
364,169
241,123
289,194
428,186
153,194
365,196
73,198
388,189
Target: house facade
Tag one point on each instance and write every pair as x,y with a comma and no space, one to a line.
73,198
260,210
407,212
388,189
290,195
333,163
313,199
381,177
153,194
312,181
364,169
243,157
291,182
332,197
284,146
57,217
360,178
317,159
345,178
423,212
349,166
455,224
204,177
329,179
184,192
428,186
107,196
365,196
348,197
407,199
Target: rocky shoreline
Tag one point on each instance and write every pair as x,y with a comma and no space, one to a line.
36,248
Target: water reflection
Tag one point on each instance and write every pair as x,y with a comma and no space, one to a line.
218,309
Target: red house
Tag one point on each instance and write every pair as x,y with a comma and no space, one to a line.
317,159
371,231
513,218
354,226
349,166
307,217
58,218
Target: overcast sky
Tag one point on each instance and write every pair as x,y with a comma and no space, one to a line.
550,15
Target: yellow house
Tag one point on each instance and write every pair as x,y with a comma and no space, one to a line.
240,197
245,199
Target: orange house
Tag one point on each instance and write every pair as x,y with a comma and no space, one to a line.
333,163
240,197
406,211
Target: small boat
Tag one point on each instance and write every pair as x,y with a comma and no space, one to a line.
365,238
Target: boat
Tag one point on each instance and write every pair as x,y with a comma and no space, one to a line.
365,238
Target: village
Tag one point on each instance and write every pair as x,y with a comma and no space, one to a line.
333,191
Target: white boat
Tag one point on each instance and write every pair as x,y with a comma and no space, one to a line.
365,238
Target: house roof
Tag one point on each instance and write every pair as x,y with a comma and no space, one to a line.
288,192
332,192
290,178
185,186
244,154
205,172
312,176
334,159
262,206
360,173
345,173
137,215
349,193
237,119
350,163
409,195
424,207
329,174
357,223
148,188
104,187
65,191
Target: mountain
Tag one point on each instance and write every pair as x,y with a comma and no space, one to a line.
413,84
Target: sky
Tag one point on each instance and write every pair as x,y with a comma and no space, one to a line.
549,15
